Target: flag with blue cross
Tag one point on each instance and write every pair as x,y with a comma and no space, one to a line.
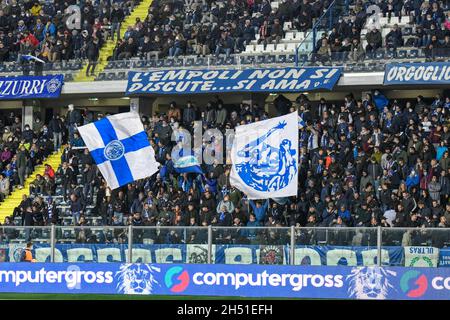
120,147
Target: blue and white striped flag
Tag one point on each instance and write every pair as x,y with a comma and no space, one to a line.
120,147
301,123
29,57
187,164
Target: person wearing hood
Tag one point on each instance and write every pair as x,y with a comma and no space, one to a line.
225,205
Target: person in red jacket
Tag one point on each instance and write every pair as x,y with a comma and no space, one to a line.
49,170
31,38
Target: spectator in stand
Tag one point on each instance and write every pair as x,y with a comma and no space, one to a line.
276,32
394,38
4,187
21,165
224,45
56,126
128,49
374,41
92,53
323,55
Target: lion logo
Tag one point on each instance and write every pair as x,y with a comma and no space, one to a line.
136,278
369,283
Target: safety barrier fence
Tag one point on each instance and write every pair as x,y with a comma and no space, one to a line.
227,245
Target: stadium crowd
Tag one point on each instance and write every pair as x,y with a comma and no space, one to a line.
21,151
177,28
362,163
217,27
428,28
45,28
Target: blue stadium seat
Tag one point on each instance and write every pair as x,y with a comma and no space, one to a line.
270,59
413,53
58,191
281,58
101,77
2,67
120,65
140,64
200,62
159,63
379,55
121,75
189,62
77,65
230,61
291,58
359,67
178,63
390,54
48,66
401,54
111,76
260,59
11,67
218,61
111,65
68,77
150,63
168,63
247,59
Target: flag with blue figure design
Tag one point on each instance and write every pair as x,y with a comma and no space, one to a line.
264,158
120,147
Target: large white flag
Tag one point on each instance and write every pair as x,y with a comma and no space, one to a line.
264,158
120,147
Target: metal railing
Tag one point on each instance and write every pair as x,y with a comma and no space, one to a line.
129,239
323,23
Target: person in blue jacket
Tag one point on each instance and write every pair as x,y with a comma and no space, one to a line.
344,214
259,210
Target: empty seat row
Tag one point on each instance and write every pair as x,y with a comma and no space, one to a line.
270,48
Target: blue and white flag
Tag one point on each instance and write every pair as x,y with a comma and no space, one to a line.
187,164
301,123
29,57
264,158
120,147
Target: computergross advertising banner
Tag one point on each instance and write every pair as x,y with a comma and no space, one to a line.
29,87
225,280
248,80
417,73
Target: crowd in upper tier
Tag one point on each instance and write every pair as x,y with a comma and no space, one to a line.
201,28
